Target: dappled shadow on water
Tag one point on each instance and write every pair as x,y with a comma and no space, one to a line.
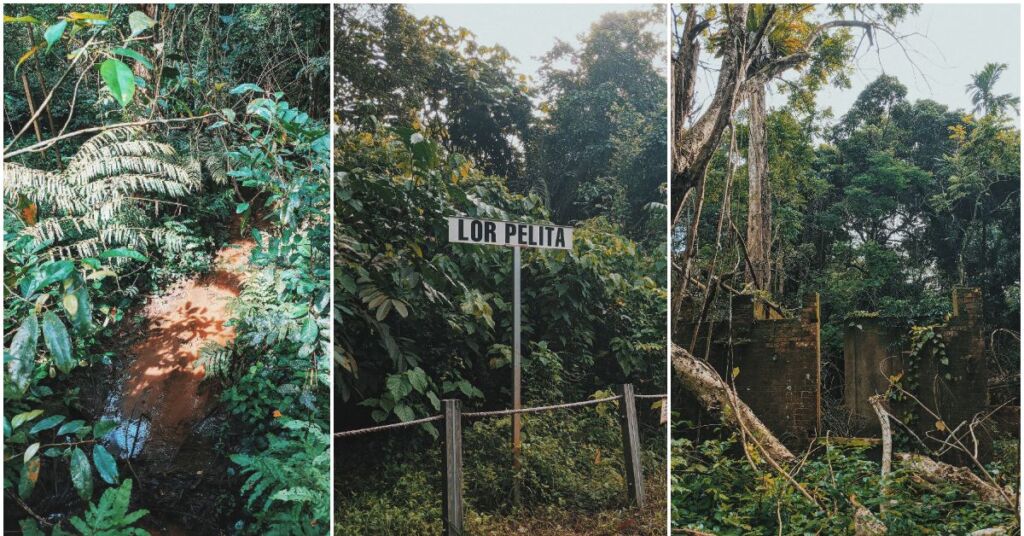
162,395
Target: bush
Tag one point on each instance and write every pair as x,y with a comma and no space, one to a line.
714,489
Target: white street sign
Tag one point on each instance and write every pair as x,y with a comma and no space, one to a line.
507,233
517,236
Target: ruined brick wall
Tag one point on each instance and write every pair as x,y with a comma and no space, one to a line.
778,361
956,391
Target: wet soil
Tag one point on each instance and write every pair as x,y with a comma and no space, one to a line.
167,418
161,396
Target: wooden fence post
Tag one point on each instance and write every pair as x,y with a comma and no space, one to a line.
631,444
452,468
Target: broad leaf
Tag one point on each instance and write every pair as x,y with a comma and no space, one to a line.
243,88
81,473
70,427
139,22
105,464
120,80
23,354
29,477
54,33
57,340
22,418
44,275
47,423
129,53
124,252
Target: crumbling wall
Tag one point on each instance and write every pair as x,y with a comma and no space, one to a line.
776,360
957,391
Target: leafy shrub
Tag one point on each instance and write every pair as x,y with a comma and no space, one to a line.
286,484
714,489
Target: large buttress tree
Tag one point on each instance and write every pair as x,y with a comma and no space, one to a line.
753,45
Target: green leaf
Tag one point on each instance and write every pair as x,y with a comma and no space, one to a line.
310,330
105,464
57,340
120,79
139,22
81,473
22,418
434,401
29,527
47,423
228,114
23,354
82,318
241,207
103,427
54,33
45,274
71,427
129,53
298,310
404,413
418,379
29,477
243,88
124,252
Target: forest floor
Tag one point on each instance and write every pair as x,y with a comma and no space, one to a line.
160,401
162,385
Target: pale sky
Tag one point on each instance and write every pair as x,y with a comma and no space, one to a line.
952,41
527,31
956,41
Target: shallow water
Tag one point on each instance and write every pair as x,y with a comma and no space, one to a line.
160,395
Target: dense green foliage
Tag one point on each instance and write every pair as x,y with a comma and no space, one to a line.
572,470
901,203
419,319
882,212
95,223
715,489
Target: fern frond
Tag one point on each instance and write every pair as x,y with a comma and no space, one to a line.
101,198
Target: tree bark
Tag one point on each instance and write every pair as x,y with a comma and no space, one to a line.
716,397
759,202
694,147
942,473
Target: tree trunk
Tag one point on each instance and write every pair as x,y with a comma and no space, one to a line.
694,147
138,69
759,202
942,473
716,397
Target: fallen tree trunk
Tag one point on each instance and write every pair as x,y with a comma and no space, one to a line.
716,397
937,472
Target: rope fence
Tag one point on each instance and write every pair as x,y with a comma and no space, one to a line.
453,510
494,413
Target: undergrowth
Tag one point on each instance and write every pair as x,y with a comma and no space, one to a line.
715,490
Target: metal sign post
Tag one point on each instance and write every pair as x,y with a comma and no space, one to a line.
517,236
517,444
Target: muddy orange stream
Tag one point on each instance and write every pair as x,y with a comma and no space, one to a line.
162,385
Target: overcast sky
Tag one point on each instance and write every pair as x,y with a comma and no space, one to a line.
955,41
528,31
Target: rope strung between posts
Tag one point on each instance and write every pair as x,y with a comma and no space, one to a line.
538,409
372,429
481,414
